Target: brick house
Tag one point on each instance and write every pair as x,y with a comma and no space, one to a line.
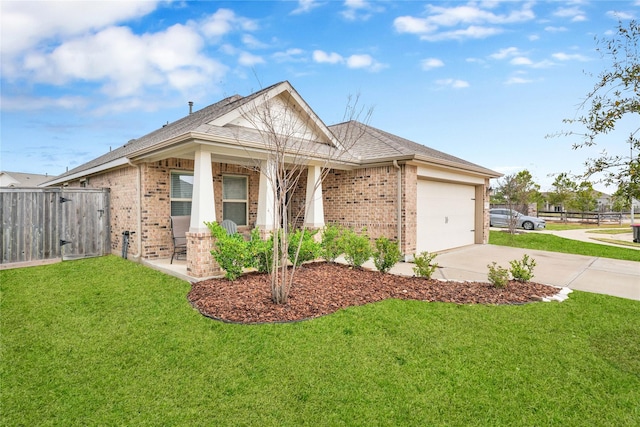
212,166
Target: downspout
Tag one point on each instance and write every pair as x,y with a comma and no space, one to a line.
139,213
399,218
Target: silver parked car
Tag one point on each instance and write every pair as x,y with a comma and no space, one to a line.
500,217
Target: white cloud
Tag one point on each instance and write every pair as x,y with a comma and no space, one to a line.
506,53
289,55
575,13
354,61
305,6
360,10
453,83
359,61
224,21
517,81
249,60
88,42
561,56
365,61
521,60
524,61
22,103
253,43
409,24
472,32
618,15
551,29
321,57
125,63
431,63
27,24
473,21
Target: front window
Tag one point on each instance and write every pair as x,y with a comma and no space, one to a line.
235,198
181,193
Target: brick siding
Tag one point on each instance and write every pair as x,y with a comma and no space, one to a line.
368,198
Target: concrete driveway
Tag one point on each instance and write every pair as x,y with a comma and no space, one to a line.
583,273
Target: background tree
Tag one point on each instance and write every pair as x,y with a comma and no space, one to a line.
615,96
586,198
516,191
620,202
563,192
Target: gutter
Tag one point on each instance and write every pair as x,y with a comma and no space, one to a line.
105,166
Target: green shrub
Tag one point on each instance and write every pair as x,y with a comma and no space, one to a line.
357,249
231,251
425,266
386,254
331,243
498,276
261,252
522,271
309,249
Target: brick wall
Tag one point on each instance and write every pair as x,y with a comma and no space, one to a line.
368,198
124,204
156,205
410,211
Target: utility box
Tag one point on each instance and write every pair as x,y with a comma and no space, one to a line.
636,232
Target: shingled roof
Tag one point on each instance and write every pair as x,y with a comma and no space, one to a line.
375,145
372,145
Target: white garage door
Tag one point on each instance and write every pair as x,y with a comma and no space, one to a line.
445,215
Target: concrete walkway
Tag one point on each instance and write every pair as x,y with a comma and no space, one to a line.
585,235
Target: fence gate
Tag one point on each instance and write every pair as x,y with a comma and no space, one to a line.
53,223
84,228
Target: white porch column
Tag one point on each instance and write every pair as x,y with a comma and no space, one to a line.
266,197
203,203
314,213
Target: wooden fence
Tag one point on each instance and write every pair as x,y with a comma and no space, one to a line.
52,224
586,217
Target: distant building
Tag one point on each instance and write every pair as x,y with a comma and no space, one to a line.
19,179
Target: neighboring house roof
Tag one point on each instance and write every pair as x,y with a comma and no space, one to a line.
19,179
217,121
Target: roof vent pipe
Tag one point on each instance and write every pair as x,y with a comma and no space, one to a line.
190,107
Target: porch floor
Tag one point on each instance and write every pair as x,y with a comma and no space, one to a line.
177,269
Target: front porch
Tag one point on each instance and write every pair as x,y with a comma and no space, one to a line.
209,199
177,269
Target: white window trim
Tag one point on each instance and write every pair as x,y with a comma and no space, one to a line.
245,201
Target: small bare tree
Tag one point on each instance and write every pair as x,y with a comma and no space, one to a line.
293,138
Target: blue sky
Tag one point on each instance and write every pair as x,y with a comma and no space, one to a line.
482,80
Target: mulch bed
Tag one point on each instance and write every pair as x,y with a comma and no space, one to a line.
322,288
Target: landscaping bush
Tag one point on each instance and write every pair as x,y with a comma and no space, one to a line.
331,243
309,249
231,251
425,266
498,276
261,252
522,271
357,249
386,254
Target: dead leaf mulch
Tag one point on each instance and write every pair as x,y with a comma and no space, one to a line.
322,288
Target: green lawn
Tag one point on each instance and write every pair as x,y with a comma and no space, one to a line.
105,341
548,242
